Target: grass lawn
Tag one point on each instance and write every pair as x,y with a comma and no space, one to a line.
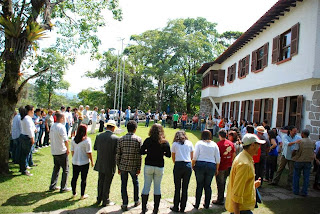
29,194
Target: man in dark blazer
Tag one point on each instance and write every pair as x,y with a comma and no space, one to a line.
106,146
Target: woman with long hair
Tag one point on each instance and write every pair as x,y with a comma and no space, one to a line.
206,161
81,157
155,147
235,139
27,137
271,165
182,154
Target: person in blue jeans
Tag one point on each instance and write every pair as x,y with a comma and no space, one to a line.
155,147
182,154
127,115
148,117
206,160
129,162
303,157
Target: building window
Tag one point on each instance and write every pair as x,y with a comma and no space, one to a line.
213,78
260,58
285,45
231,73
243,67
289,112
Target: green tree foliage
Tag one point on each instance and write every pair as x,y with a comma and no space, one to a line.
50,81
161,65
93,98
229,37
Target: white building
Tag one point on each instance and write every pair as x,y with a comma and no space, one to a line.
271,72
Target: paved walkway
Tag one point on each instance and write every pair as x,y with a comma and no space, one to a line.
268,194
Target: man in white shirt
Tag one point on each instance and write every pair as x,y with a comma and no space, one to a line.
94,119
68,119
86,115
60,152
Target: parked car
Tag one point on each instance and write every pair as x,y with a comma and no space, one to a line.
141,115
113,114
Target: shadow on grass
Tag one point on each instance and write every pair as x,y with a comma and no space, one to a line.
27,199
303,205
14,172
55,205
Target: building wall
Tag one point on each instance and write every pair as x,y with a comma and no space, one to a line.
205,107
310,89
303,66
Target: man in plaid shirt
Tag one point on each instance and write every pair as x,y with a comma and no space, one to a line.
129,162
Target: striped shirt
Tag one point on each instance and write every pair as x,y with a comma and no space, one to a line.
128,153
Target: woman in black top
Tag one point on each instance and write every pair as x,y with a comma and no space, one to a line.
155,146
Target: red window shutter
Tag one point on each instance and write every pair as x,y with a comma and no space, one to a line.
294,39
254,61
269,110
239,67
221,76
231,110
211,77
243,106
265,55
229,73
237,110
299,112
247,64
275,49
257,110
280,112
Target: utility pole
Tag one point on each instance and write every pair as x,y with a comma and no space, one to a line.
119,95
115,86
124,67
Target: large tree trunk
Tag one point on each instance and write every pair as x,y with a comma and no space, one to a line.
9,97
159,100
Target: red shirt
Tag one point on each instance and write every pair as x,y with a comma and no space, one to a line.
184,117
256,158
227,150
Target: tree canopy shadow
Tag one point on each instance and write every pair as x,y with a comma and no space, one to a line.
55,205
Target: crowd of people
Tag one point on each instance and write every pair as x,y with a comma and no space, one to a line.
232,156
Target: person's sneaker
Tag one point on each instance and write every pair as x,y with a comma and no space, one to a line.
68,189
108,203
28,167
54,188
137,203
74,195
27,173
84,196
124,208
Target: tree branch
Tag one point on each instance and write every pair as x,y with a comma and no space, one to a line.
29,78
22,8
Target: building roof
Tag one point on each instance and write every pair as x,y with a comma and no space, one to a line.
278,9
